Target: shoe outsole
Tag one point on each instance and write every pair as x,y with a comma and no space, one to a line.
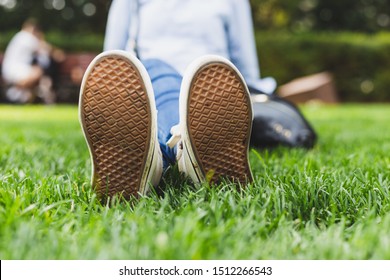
219,122
116,118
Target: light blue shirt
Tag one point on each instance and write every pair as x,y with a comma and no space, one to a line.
179,31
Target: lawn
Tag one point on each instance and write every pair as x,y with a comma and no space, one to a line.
332,202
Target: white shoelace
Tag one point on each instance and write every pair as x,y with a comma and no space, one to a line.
176,136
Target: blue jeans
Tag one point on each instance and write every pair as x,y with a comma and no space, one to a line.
166,83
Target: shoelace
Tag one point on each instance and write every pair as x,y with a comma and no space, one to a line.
176,136
175,140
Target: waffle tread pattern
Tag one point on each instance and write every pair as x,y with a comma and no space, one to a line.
117,123
219,123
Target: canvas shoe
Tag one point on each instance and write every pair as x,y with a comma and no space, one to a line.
119,119
215,122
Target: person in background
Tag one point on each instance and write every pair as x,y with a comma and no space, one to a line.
27,63
188,60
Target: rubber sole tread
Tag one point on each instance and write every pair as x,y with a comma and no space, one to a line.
219,123
116,120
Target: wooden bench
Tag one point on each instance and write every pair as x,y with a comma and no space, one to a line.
70,74
318,87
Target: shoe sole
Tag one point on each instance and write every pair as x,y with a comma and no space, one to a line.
219,122
116,118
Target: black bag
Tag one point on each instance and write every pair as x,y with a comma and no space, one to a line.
279,122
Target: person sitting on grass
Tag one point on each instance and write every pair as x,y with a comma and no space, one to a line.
26,61
171,86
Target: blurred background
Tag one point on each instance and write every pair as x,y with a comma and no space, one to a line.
349,40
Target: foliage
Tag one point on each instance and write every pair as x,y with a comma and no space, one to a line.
296,15
76,16
73,42
336,15
331,202
360,63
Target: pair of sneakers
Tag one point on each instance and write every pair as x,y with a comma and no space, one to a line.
118,116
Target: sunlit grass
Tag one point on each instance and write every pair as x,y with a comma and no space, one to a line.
328,203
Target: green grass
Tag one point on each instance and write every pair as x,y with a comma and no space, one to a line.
331,202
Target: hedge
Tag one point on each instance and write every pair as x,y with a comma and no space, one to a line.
360,63
68,42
